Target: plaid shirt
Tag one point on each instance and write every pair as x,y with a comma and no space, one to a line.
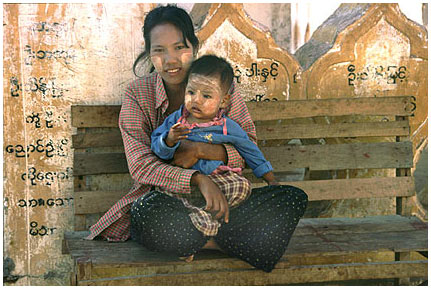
143,110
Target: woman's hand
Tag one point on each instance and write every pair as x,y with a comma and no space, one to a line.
186,155
215,199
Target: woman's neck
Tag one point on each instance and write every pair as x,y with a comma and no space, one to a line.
175,95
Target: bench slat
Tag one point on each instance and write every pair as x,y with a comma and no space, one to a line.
270,132
285,158
308,131
341,189
340,156
99,163
107,115
320,236
91,140
95,115
89,202
313,237
289,275
391,106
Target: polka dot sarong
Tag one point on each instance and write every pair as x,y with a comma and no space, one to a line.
258,232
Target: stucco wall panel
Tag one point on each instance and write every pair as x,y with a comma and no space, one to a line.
55,55
264,71
381,54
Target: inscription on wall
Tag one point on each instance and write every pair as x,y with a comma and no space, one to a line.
31,55
43,88
48,88
391,74
48,203
55,55
55,28
47,147
46,178
256,71
40,230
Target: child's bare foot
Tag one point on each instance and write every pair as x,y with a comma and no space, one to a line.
212,245
188,259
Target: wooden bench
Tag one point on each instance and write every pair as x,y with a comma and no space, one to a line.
384,247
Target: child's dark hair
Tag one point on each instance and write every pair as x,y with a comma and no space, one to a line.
211,65
162,15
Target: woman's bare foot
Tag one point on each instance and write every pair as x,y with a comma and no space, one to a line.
212,245
188,259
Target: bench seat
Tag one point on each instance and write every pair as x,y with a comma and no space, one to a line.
320,250
347,149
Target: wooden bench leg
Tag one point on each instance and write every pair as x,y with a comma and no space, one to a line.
402,256
73,279
73,275
83,269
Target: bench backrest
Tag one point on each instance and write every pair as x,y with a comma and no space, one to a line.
335,134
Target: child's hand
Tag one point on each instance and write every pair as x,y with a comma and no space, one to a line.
177,132
270,179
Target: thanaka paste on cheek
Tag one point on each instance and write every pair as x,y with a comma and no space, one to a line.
186,59
187,99
157,62
209,107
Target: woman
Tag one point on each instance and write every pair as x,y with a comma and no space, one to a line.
258,231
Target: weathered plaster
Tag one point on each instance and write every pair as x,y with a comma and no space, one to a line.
55,55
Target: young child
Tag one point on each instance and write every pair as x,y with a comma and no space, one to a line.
202,119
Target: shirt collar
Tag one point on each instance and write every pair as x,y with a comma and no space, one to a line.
217,120
161,96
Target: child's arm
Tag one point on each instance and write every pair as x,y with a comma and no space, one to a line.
270,179
158,136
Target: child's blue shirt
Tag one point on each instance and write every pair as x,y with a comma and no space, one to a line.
211,134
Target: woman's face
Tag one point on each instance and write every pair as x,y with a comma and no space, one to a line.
169,55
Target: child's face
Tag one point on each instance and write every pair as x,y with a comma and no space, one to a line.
204,97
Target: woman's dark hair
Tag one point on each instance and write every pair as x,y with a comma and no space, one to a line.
212,65
162,15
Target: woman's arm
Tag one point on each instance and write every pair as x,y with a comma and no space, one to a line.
189,152
136,120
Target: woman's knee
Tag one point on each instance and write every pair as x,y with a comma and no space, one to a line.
166,227
300,194
293,199
291,192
